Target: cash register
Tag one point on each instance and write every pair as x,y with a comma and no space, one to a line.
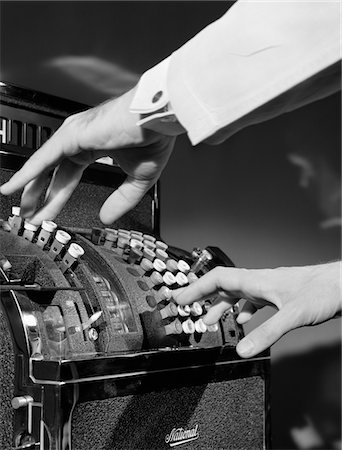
95,352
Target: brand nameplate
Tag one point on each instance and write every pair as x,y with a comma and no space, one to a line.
179,436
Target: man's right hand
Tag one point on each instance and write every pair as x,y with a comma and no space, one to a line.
106,130
303,296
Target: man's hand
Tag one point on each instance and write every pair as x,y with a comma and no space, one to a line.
106,130
303,296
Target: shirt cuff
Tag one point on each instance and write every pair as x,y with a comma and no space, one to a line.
151,101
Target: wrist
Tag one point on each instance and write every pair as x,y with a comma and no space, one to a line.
151,101
334,279
325,292
136,135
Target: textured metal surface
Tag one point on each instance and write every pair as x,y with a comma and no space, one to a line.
228,414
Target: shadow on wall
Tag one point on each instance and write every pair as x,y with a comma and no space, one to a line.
105,77
306,393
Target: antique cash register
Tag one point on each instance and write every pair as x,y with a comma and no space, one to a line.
95,353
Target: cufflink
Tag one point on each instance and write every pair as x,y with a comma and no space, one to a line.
162,121
157,96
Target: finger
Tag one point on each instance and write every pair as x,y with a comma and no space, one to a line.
246,313
44,159
266,334
219,307
31,195
177,292
64,181
236,283
124,199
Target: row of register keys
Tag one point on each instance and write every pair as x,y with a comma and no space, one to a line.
149,255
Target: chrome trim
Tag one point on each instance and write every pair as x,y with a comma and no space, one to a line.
136,374
17,303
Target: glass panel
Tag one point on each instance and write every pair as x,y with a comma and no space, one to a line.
55,331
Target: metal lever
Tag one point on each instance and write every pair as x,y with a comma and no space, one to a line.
25,446
37,288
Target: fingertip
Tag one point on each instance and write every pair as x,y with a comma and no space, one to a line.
3,189
26,209
34,221
109,213
105,218
211,318
25,214
243,317
266,334
246,312
246,348
112,210
179,295
239,320
124,198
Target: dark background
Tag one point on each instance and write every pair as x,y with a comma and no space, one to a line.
243,195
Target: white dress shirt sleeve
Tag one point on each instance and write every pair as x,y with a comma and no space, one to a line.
259,60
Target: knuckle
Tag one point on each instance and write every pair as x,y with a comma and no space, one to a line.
68,120
219,272
73,120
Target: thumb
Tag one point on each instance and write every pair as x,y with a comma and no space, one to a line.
266,334
124,199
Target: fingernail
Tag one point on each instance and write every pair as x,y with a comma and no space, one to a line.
245,348
238,319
